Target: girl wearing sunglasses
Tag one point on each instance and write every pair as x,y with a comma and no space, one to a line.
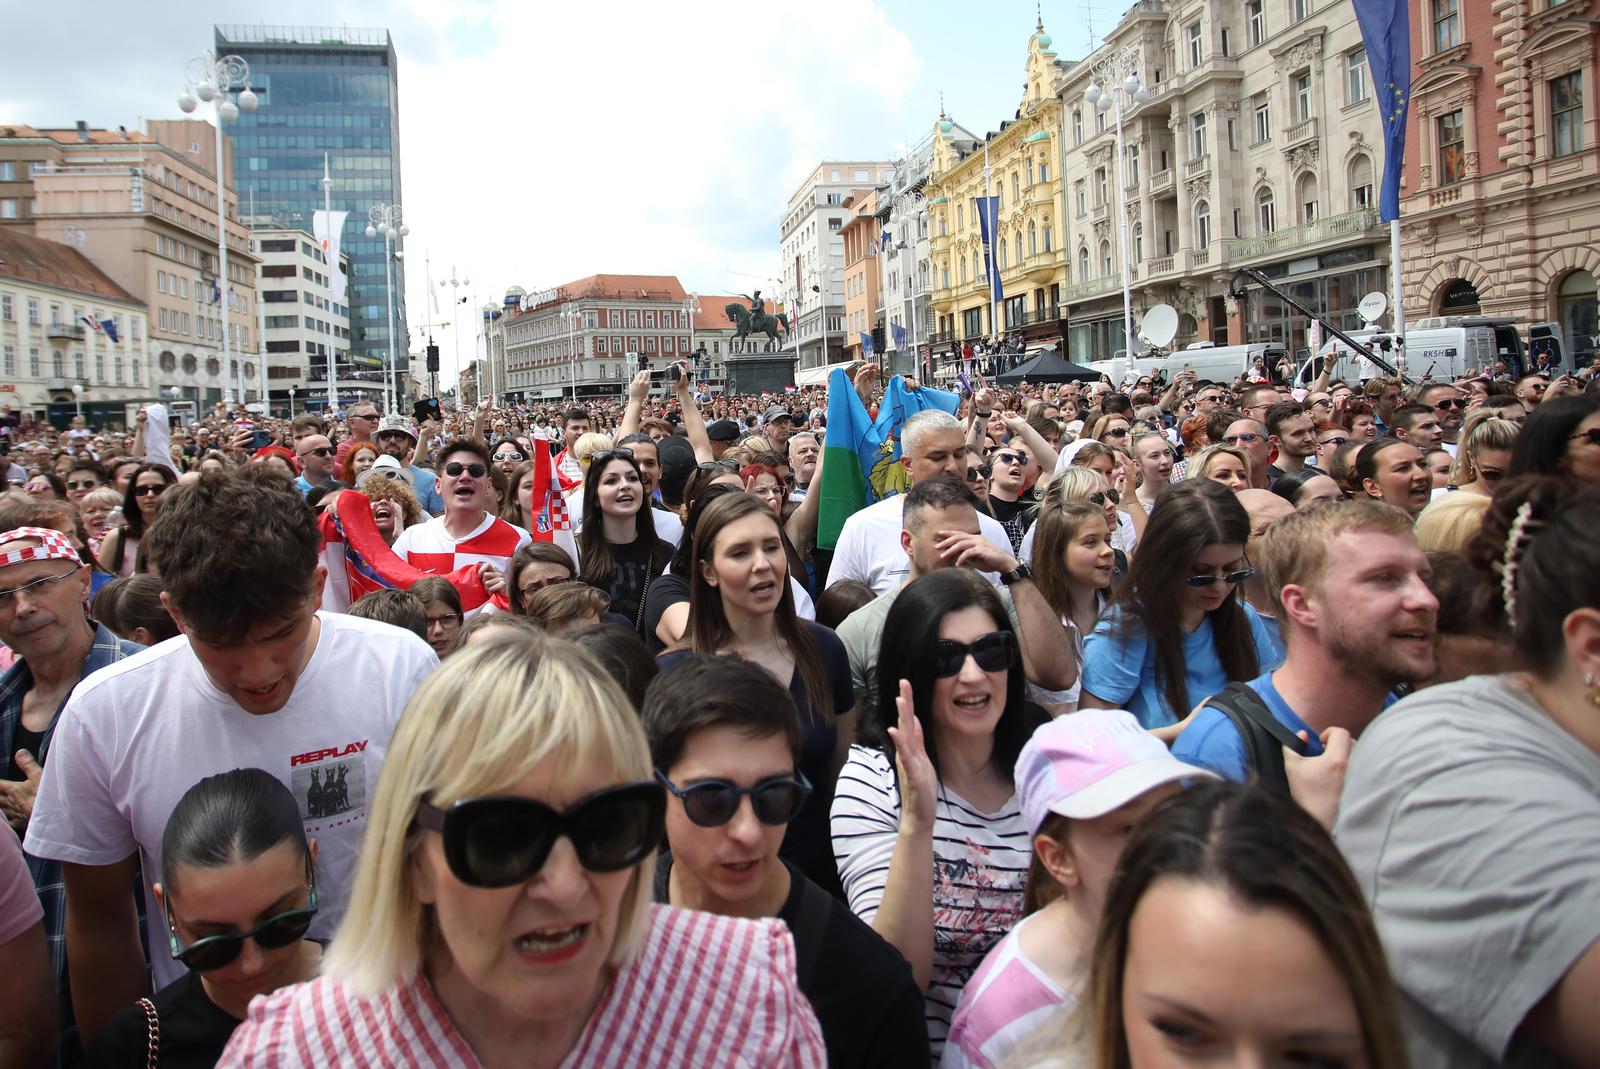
1561,437
1178,632
238,887
618,550
1483,456
930,841
119,553
502,906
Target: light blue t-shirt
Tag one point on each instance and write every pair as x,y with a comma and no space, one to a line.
427,490
1211,741
1122,669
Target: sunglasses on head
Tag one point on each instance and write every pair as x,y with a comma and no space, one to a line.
215,951
994,652
1231,578
455,468
713,803
607,454
718,465
501,841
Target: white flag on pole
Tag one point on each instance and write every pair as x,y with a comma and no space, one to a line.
328,228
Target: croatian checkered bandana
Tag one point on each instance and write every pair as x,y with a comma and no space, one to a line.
53,545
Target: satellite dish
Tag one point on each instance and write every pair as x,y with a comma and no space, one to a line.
1160,325
1372,307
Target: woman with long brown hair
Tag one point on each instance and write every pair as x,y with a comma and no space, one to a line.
740,601
119,553
618,550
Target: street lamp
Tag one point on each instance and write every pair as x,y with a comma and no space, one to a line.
291,402
388,220
1117,73
213,80
571,313
456,285
77,397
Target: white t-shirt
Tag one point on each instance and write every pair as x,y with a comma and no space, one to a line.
136,735
869,546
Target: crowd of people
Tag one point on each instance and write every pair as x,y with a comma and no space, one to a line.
1151,724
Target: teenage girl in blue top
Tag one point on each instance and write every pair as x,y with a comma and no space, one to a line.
1178,631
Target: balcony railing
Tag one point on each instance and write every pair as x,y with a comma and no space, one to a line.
1198,165
1300,132
1159,266
65,331
1094,287
1161,181
1350,224
1200,257
1101,212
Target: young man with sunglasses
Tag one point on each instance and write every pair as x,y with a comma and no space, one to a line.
467,533
725,741
260,679
1449,404
1349,587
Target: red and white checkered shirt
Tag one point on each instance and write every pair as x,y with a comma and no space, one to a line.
428,547
703,992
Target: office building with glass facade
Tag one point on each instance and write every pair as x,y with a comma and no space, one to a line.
334,92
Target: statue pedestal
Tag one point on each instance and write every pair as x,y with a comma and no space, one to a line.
753,373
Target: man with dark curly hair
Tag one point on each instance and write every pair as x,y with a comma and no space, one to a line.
258,679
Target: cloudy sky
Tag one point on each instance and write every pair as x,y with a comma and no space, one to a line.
545,142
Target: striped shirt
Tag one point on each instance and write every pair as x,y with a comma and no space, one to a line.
702,991
428,547
980,862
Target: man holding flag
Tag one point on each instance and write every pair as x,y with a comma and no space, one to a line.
920,425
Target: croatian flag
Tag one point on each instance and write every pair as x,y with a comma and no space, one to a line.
549,519
359,561
94,324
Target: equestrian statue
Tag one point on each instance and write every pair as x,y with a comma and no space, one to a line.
754,320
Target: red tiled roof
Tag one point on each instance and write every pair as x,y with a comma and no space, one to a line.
69,136
49,263
623,288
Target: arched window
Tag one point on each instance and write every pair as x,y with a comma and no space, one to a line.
1033,235
1049,242
1576,311
1005,260
1361,182
1306,197
1202,225
1266,212
1105,257
1016,248
1083,263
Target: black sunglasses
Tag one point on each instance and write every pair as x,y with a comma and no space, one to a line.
455,468
319,451
1450,402
1592,435
500,841
1120,432
1231,578
1247,436
1333,441
1100,497
88,484
974,474
713,803
215,951
1011,458
150,491
994,652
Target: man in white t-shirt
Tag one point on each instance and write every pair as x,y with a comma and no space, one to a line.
467,533
258,679
869,550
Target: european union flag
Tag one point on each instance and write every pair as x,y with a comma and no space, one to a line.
866,343
1386,31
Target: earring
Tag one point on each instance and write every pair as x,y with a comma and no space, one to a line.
1592,681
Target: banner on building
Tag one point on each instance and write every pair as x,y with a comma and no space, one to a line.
1386,31
989,224
328,229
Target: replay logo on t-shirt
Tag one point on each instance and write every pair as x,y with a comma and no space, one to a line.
329,782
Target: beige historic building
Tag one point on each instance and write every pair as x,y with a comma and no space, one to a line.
1501,203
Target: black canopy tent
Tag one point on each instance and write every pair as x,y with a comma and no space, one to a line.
1048,366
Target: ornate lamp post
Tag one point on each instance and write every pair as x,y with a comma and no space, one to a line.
1116,86
212,80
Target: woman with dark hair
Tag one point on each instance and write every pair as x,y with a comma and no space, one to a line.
443,604
931,843
1391,470
119,553
666,614
536,566
1561,437
1497,776
622,656
618,550
741,601
238,886
1178,632
1304,487
138,614
518,508
1228,899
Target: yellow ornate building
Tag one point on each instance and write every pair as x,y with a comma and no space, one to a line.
1020,165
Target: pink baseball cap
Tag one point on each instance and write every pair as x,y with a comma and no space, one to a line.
1085,764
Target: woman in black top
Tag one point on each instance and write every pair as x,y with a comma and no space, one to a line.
618,549
238,888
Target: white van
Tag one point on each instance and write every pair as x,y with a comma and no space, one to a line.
1438,347
1218,363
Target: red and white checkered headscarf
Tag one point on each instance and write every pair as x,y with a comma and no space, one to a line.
53,545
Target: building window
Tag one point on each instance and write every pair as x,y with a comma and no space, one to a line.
1138,243
1266,215
33,311
1030,170
1307,198
100,367
1083,264
1361,182
1133,164
1302,96
1194,44
1105,259
1080,197
33,363
8,207
57,366
1077,127
1033,239
1446,24
1256,19
1102,193
5,308
1452,148
1202,225
1263,118
1197,126
1226,49
11,361
1016,188
1357,86
1049,245
1566,113
1299,10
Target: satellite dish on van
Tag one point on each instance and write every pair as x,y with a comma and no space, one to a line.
1160,325
1372,307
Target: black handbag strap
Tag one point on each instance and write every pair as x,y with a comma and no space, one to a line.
1264,735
